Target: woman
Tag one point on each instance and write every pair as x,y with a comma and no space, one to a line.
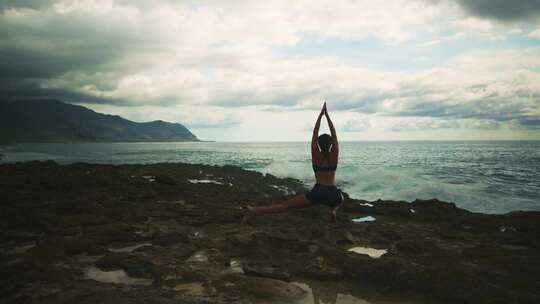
324,158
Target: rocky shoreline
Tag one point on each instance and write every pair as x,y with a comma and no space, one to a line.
173,233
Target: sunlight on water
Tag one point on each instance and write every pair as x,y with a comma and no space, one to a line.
492,177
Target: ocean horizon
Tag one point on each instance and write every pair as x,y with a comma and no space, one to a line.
489,176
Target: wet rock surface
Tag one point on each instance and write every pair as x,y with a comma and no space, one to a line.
86,233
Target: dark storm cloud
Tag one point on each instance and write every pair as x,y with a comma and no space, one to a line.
529,121
414,100
49,62
33,4
49,54
38,45
30,89
489,112
503,10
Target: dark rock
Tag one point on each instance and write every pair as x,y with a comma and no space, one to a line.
317,232
168,240
260,290
266,272
420,247
344,242
166,180
133,265
438,253
73,247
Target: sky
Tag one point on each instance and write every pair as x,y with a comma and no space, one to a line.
260,70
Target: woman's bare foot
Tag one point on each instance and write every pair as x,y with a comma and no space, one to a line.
252,210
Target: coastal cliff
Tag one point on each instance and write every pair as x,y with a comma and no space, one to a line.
173,233
51,120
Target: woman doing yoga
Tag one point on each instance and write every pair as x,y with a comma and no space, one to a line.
324,158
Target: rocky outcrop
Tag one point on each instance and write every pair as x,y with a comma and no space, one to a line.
173,233
52,120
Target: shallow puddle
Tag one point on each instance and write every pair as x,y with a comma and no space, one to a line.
350,292
204,181
364,219
179,202
198,257
129,248
371,252
115,277
366,204
314,297
192,289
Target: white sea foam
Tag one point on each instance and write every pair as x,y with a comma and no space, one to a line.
284,189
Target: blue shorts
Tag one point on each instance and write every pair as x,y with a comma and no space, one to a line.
325,195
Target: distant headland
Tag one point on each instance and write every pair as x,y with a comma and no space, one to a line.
50,120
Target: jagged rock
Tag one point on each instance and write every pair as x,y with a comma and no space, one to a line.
72,215
133,265
166,180
266,272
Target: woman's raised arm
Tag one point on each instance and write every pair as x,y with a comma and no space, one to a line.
315,136
335,145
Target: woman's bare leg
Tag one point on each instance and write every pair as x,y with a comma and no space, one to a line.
299,201
333,215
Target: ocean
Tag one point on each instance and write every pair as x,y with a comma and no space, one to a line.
480,176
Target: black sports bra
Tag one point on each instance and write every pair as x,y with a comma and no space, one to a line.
324,168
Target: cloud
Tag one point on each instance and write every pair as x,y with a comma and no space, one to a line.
205,122
503,10
475,24
196,117
144,59
355,125
9,4
422,124
447,38
129,52
534,34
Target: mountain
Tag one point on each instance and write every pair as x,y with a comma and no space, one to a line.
56,121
